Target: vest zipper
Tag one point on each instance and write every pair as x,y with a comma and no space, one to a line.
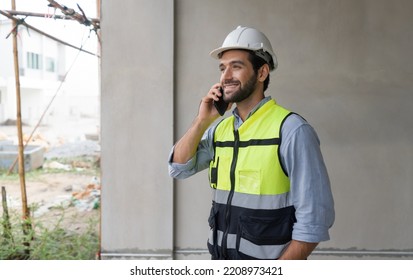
231,194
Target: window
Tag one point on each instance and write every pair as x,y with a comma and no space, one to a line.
50,64
34,60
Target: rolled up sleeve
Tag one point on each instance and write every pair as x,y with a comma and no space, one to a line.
181,170
198,162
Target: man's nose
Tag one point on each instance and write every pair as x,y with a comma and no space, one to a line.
226,74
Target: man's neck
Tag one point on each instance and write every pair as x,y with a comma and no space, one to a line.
244,107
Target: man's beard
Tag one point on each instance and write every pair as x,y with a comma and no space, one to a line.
244,92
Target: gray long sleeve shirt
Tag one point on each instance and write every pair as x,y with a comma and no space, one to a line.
301,157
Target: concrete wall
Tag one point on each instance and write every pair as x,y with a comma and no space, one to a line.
137,127
346,66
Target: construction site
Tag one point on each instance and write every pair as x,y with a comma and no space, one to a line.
49,129
105,139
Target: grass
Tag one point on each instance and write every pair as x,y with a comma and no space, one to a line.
52,237
51,241
91,168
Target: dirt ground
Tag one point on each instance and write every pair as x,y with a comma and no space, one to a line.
68,183
56,195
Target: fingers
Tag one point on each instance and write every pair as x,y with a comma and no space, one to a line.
215,92
207,110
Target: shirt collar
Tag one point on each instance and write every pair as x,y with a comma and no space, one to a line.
238,121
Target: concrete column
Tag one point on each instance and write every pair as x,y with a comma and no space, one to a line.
137,120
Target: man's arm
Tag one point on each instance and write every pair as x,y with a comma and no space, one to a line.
298,250
311,192
186,147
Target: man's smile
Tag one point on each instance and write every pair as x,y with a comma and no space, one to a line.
230,86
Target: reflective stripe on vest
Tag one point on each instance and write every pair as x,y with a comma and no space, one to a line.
256,251
251,189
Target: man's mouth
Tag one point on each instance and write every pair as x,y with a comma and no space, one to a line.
230,86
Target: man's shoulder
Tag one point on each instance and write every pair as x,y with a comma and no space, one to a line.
292,123
295,120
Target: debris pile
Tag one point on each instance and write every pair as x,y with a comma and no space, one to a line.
83,198
60,183
87,199
74,149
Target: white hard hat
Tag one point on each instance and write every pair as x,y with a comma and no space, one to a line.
247,38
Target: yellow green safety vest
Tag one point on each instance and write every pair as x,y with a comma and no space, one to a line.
252,215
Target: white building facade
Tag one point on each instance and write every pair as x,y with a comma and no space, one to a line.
49,69
41,66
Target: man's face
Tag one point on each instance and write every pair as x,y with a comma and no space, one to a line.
238,78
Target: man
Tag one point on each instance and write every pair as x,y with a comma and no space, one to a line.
271,192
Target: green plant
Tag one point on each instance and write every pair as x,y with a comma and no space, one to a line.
49,241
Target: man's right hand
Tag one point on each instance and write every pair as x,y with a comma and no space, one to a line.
187,146
207,110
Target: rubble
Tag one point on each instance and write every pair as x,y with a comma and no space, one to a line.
83,198
74,149
56,165
66,150
87,199
36,140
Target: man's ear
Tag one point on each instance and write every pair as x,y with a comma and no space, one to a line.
263,72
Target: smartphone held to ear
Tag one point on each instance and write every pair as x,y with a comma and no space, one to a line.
221,105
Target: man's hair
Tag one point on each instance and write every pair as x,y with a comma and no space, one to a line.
257,62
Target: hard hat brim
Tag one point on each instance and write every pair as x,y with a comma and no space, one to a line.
215,53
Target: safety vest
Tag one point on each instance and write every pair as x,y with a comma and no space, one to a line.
251,215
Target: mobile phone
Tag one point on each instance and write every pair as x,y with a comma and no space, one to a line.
221,105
